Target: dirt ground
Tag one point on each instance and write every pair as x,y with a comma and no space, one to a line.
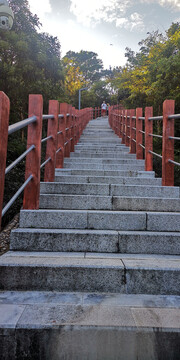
5,234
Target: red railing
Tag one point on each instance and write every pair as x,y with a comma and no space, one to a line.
64,128
129,125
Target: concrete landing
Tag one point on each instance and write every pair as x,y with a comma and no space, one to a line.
88,326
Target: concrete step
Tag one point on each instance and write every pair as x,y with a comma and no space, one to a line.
108,180
100,220
81,326
111,190
113,203
102,161
84,166
101,155
116,151
119,173
118,273
107,241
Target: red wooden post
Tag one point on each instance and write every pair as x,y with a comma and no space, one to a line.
73,129
168,144
127,122
49,172
33,159
62,137
68,131
123,127
139,138
148,139
4,123
119,124
132,132
76,126
121,114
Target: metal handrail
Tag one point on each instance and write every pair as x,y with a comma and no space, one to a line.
13,199
60,149
45,162
174,138
174,162
156,118
154,135
47,117
142,146
142,132
21,124
17,161
174,116
152,152
47,138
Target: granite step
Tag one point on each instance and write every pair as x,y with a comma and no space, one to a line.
110,190
102,155
106,241
108,180
119,173
100,220
98,166
103,161
118,273
113,203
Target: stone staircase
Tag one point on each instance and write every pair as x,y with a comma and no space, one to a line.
95,273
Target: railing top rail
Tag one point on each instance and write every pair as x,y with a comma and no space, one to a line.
175,116
21,124
46,117
155,118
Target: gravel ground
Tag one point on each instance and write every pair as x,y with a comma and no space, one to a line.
5,234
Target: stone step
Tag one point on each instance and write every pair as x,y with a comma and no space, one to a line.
93,150
100,220
108,180
102,326
101,155
102,161
114,203
127,173
107,241
111,190
118,273
98,166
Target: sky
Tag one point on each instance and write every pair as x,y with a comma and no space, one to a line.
105,27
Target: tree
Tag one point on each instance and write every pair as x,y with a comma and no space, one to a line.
88,63
29,61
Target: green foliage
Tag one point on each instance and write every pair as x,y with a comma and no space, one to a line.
87,63
152,74
29,61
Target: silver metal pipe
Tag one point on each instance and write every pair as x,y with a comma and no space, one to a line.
45,162
174,162
17,161
21,124
13,199
151,152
